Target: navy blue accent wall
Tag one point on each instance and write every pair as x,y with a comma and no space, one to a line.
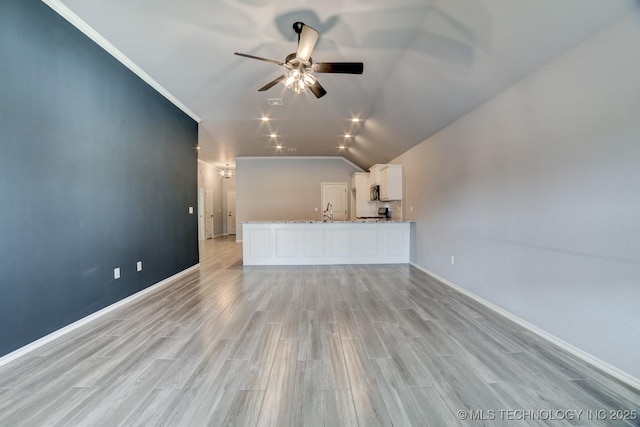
97,171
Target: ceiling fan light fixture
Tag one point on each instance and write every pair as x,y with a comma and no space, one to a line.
300,65
288,82
299,79
308,79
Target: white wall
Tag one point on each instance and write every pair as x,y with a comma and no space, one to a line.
537,194
285,188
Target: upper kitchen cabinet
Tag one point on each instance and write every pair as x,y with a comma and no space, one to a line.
390,181
374,174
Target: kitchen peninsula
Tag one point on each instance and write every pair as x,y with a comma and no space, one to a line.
322,243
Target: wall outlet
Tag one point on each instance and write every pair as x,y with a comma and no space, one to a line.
190,210
453,259
116,273
411,208
139,266
316,209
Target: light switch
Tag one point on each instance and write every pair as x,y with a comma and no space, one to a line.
116,273
139,266
190,210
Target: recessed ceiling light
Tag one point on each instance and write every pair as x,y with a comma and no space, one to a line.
355,120
279,147
197,147
342,147
274,101
265,119
273,135
346,135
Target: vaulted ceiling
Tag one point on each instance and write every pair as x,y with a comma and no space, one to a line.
426,64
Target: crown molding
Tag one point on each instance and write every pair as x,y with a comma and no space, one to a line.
302,158
87,30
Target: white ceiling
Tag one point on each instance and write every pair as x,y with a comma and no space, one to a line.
426,64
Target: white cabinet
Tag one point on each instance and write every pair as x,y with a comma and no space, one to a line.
374,174
326,243
363,207
390,181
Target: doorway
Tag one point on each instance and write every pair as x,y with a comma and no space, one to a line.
336,194
200,213
231,214
205,213
208,213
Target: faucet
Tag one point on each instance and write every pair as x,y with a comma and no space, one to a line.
328,213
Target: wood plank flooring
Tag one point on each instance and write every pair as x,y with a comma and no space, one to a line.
374,345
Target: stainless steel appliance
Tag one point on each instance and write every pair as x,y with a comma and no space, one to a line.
375,193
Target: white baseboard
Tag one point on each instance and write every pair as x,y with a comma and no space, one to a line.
588,358
81,322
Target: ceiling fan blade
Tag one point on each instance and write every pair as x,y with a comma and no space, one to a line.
317,90
258,58
306,43
339,67
272,83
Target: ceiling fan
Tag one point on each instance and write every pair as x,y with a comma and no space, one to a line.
300,67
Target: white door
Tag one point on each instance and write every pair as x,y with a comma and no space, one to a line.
208,213
201,213
231,214
336,194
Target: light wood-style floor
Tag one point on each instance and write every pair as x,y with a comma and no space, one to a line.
305,346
